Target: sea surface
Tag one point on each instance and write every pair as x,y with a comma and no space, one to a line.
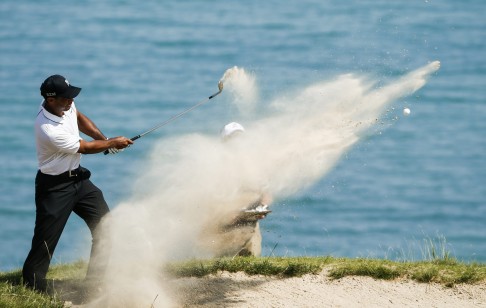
403,192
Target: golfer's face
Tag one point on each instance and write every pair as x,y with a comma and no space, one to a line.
64,103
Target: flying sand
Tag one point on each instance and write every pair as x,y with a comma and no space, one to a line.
192,180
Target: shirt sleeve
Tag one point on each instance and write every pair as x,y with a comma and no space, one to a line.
63,141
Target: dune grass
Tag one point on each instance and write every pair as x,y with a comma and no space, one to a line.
18,296
274,266
13,294
446,271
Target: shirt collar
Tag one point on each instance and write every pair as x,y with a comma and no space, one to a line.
49,115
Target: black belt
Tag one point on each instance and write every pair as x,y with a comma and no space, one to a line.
77,174
70,173
46,181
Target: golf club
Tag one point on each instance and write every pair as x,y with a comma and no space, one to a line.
220,87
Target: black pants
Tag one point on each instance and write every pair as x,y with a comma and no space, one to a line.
55,198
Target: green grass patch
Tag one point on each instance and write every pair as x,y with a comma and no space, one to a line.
285,267
75,270
14,295
379,269
447,272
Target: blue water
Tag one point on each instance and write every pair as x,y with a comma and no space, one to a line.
140,62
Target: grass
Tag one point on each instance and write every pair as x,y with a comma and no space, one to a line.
275,266
448,272
18,296
443,270
13,294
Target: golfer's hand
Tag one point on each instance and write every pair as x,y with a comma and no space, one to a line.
119,143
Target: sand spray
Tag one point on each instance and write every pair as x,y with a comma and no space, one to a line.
192,181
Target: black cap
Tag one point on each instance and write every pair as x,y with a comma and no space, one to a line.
57,85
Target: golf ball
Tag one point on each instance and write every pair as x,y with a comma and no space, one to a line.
406,111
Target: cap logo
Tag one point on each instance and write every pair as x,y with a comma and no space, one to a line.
67,82
51,94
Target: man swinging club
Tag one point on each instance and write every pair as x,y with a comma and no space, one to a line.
62,186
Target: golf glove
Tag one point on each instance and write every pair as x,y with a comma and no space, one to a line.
113,150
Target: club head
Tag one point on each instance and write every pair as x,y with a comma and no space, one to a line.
229,72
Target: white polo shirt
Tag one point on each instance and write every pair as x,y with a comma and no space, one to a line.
57,141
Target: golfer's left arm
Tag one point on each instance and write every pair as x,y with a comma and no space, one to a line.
86,126
100,142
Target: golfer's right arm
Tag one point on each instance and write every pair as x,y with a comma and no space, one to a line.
98,146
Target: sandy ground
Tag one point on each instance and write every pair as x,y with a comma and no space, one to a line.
241,290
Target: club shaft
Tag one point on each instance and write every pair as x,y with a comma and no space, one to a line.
172,118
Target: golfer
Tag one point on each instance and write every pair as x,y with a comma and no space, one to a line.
62,186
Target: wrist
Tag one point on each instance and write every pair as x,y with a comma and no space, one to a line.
109,143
